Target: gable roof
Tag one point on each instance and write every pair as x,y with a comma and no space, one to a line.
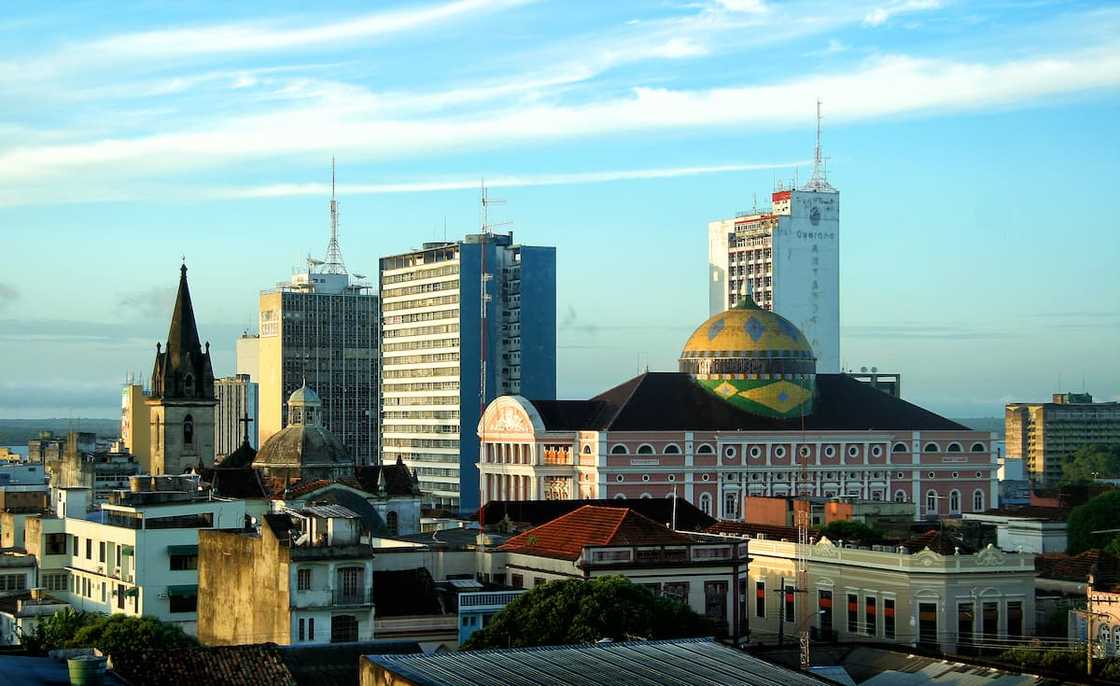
1104,566
667,401
592,525
214,666
537,512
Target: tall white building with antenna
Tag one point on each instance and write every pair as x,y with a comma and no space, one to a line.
787,257
321,326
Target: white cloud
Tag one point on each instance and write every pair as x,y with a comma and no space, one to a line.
296,189
880,15
749,6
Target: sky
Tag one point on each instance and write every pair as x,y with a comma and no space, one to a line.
974,146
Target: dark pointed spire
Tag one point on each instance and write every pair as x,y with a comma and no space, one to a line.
183,369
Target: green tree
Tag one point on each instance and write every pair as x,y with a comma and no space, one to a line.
1100,513
57,630
1091,462
851,530
584,611
107,633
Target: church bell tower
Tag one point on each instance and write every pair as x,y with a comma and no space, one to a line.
181,404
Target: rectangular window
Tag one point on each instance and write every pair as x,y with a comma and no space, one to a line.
824,604
789,604
927,624
303,580
55,544
517,581
103,593
1014,619
677,590
183,602
89,548
120,596
101,551
311,628
870,615
853,613
13,582
715,600
181,563
538,581
990,618
74,546
344,629
760,599
301,629
965,624
888,618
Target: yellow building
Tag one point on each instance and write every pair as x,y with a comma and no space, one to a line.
1043,435
134,423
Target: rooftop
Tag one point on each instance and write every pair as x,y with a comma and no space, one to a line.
536,512
592,525
681,662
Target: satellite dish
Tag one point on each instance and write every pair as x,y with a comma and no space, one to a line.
863,369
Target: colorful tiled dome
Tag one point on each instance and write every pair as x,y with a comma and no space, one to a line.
754,359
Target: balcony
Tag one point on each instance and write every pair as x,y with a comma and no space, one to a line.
355,597
326,597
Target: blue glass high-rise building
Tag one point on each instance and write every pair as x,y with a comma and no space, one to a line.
444,355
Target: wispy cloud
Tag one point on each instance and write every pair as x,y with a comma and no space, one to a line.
922,330
148,303
297,189
882,14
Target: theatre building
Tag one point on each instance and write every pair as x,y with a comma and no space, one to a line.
746,414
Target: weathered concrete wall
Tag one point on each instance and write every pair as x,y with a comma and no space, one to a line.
243,591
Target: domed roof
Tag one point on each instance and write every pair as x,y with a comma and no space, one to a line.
754,359
304,396
747,328
302,445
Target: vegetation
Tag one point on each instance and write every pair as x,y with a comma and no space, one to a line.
848,530
1069,661
108,633
1092,462
1100,513
585,611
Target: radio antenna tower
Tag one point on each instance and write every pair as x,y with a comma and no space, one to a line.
485,277
819,180
333,264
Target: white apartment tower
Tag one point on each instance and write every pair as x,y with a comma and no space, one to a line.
461,323
787,258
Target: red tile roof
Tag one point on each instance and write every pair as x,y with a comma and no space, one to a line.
591,525
1078,567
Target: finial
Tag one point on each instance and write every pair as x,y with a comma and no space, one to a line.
158,346
207,347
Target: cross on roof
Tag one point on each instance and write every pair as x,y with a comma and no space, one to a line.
246,420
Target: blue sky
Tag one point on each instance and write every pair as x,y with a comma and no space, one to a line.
974,146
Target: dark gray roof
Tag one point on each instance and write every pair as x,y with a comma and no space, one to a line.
302,445
683,662
672,401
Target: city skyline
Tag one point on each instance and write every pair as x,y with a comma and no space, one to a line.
217,144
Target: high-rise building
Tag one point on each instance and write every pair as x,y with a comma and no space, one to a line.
181,402
236,414
1044,435
135,422
248,354
461,323
787,258
320,328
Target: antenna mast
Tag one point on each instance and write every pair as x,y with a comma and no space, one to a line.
819,180
333,264
484,297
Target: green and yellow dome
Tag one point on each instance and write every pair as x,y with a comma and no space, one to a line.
754,359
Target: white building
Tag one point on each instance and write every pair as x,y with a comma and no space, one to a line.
237,402
137,555
443,351
787,258
248,353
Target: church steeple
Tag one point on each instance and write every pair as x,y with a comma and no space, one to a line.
183,370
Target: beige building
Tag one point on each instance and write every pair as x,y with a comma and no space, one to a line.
1043,435
135,421
947,599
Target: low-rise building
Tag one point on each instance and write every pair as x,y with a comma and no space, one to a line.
477,608
18,573
1099,619
889,517
930,592
21,613
709,574
1027,529
137,554
84,463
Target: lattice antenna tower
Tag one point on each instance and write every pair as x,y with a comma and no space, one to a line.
819,180
333,264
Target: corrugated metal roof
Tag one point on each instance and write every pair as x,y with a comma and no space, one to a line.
329,511
638,663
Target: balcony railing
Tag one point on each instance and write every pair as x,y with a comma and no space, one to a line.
352,597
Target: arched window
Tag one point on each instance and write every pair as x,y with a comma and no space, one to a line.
931,502
392,522
620,496
954,502
646,496
978,500
977,447
645,449
900,496
706,503
953,448
932,448
704,449
587,449
672,449
188,384
618,449
731,505
899,448
188,430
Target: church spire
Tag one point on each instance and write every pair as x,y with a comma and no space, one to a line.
182,369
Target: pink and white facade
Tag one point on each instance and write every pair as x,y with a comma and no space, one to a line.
527,454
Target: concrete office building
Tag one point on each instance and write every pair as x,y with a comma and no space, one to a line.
248,354
320,328
448,348
135,421
787,258
237,402
1044,435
